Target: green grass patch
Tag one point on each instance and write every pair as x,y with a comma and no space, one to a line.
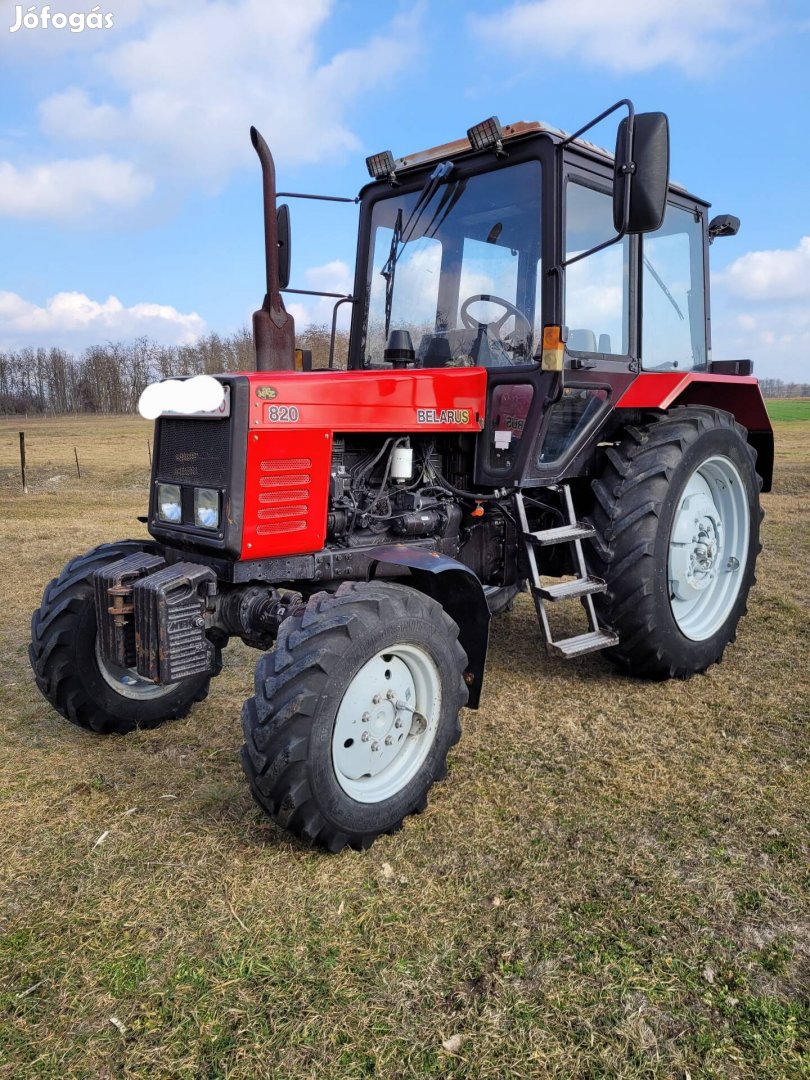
788,408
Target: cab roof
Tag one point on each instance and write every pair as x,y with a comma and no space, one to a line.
511,132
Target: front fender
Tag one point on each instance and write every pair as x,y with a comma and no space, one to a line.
458,590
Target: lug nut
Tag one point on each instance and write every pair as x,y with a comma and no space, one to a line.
398,723
389,739
365,717
391,695
365,737
375,746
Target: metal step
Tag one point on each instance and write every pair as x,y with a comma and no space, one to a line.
582,643
563,534
572,590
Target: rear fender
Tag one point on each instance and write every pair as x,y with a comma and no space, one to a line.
458,590
739,395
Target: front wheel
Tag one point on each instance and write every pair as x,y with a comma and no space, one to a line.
677,517
72,674
354,712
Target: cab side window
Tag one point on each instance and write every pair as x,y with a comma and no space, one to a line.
596,287
673,328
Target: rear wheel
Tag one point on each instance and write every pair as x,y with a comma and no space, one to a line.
70,670
677,519
354,712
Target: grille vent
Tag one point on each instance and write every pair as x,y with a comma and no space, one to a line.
285,494
194,451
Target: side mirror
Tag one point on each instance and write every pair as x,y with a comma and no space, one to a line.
723,225
641,174
284,253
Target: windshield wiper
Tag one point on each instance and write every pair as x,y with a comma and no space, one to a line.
389,268
662,286
446,204
403,234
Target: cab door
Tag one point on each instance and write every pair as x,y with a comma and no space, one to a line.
596,299
598,303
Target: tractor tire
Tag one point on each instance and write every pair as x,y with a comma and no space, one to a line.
354,712
69,670
501,598
677,519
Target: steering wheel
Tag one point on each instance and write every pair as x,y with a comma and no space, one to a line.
521,322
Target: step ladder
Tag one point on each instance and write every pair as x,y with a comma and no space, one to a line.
582,588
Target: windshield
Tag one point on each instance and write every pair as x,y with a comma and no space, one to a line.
457,267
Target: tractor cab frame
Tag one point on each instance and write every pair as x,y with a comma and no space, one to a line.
527,229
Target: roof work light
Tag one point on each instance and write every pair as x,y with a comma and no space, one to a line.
381,165
487,135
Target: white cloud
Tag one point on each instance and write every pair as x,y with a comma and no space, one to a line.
335,277
72,320
634,35
71,192
761,310
182,93
771,275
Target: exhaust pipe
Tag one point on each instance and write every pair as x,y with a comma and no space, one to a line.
273,327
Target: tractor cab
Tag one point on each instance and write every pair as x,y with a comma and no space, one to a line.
480,252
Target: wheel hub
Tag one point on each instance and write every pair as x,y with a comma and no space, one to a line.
126,681
708,543
385,723
383,690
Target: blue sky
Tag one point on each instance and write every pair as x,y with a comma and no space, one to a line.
129,193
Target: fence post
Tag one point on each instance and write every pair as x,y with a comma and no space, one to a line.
22,462
76,455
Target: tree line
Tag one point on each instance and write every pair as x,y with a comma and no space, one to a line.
776,388
110,378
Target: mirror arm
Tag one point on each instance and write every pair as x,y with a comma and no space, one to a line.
317,292
631,114
599,247
320,198
627,167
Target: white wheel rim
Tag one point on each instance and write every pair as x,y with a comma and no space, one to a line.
708,548
127,682
386,723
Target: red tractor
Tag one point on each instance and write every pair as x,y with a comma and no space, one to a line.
529,394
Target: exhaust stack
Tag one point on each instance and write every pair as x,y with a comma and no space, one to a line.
273,327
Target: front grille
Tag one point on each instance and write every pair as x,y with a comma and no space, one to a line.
194,451
279,513
282,480
276,498
285,487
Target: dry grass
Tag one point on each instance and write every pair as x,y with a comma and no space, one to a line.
613,882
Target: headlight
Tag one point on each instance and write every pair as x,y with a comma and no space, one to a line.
170,507
206,508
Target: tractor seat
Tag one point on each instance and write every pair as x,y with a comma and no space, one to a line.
449,347
581,341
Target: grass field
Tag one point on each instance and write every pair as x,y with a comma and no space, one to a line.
613,881
784,409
